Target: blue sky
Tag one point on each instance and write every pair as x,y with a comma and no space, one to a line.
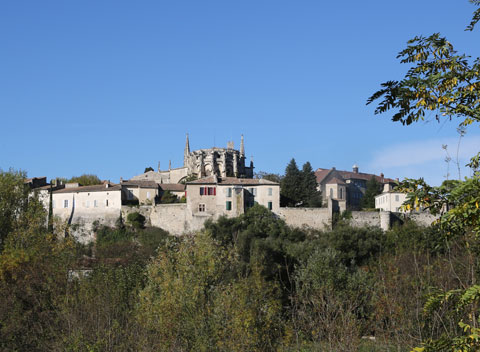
110,87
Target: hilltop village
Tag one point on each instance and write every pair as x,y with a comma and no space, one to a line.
211,183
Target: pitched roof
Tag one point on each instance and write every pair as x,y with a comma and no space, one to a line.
335,180
95,188
233,181
363,176
176,187
140,183
322,174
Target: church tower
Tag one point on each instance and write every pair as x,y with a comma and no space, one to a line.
242,148
186,153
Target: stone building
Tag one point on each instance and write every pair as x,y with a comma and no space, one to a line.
230,196
346,188
221,162
389,200
87,205
139,191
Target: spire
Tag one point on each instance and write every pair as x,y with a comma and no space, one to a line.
187,152
242,147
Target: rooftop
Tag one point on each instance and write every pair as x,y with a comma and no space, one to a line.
232,181
95,188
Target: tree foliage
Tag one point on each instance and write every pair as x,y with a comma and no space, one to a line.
13,201
447,84
299,188
86,180
373,189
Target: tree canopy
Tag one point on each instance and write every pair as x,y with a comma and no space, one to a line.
299,188
447,84
373,188
86,180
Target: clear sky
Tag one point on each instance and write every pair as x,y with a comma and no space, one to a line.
110,87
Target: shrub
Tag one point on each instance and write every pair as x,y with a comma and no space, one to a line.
136,220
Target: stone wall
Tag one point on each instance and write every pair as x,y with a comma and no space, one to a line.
421,218
365,218
316,218
174,218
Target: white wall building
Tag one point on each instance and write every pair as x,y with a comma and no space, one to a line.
230,196
390,200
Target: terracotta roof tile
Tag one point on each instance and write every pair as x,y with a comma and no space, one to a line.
95,188
233,181
140,183
176,187
335,180
321,174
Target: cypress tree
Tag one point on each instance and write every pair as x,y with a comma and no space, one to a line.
311,197
290,186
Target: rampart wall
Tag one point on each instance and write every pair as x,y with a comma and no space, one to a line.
365,218
178,219
316,218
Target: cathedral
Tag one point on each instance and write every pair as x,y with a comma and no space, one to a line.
221,162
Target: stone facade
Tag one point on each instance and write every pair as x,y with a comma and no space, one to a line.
140,192
390,200
77,205
346,187
221,162
230,196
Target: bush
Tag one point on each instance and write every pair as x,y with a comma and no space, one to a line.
136,220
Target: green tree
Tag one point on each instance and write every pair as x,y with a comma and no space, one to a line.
86,180
374,188
442,81
311,197
13,201
290,190
168,197
147,169
268,176
136,220
299,188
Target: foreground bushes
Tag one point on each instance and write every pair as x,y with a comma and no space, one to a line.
244,284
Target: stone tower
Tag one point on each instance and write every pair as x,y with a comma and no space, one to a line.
186,153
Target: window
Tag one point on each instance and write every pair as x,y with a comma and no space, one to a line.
95,203
397,198
87,204
148,195
228,205
270,191
106,202
208,191
341,193
53,204
229,193
129,194
65,203
201,207
331,192
269,205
